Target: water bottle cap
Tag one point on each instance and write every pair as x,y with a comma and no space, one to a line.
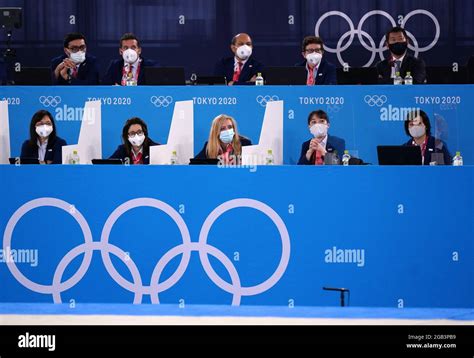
74,152
174,152
270,151
346,152
458,153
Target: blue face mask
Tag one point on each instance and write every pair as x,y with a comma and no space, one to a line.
227,136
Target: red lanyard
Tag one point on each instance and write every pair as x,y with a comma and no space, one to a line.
125,73
422,147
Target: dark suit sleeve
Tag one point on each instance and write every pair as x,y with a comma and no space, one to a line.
58,151
92,76
118,154
202,154
419,71
257,67
303,160
54,63
109,74
340,147
219,70
448,159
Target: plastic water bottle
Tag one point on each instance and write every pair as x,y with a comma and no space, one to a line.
74,158
269,158
346,157
174,158
397,80
408,79
457,160
259,80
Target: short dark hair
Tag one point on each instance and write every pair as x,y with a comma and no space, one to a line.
129,36
38,116
71,37
394,30
312,40
320,114
424,117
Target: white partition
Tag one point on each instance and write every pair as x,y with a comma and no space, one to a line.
180,138
271,137
89,145
4,133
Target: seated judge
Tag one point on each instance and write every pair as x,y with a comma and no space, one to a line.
241,68
314,150
224,141
44,144
418,128
130,68
320,71
75,66
399,59
136,143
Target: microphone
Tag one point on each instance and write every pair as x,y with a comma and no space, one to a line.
342,290
335,289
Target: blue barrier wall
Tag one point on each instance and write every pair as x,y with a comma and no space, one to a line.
395,236
365,116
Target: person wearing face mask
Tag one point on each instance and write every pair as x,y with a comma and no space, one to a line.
43,144
224,141
314,150
399,59
242,68
130,68
418,128
320,71
76,66
136,143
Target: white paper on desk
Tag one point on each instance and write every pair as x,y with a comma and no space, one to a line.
271,137
180,138
4,133
89,145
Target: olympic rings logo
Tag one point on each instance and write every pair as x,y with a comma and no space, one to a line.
263,100
50,101
361,34
375,100
155,287
161,101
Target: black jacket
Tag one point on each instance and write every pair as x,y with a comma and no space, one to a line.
87,74
326,73
410,64
54,151
121,153
435,145
114,72
225,68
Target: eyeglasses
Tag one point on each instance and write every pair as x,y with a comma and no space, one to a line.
313,50
133,134
77,48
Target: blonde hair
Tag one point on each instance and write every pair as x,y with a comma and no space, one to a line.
214,144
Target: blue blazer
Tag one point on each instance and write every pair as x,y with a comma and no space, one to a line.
435,145
113,75
54,150
88,72
225,68
121,153
203,155
333,144
326,72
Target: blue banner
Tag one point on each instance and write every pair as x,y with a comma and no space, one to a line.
365,116
393,236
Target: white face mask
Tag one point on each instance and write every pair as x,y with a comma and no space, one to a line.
319,130
130,56
244,52
137,140
314,58
417,131
44,130
227,136
78,57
